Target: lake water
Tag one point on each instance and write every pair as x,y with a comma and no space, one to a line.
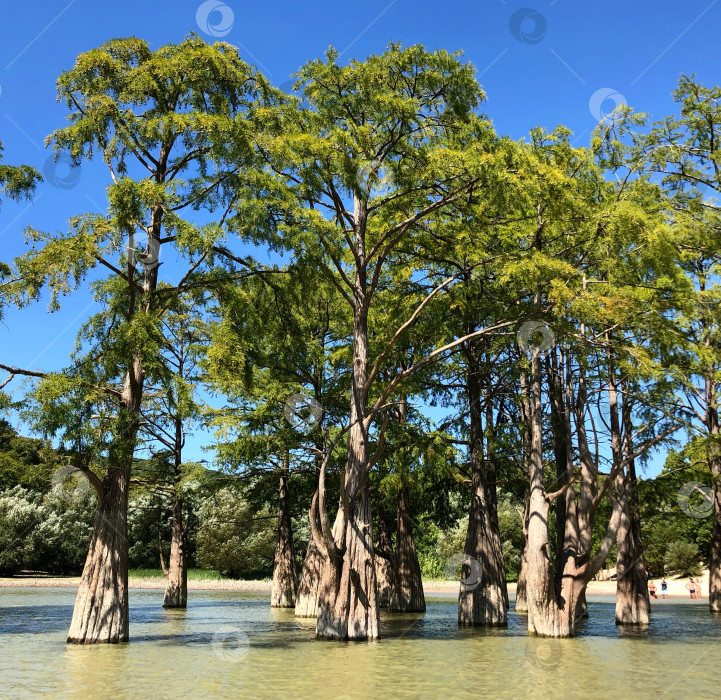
231,644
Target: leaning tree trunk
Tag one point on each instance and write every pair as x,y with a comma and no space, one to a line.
407,590
482,598
176,587
100,614
285,577
306,600
633,606
384,561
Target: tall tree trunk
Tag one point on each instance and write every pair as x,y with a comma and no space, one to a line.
285,577
482,598
521,595
407,590
347,595
176,588
385,561
712,425
100,614
306,602
633,606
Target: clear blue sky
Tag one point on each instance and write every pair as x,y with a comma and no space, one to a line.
540,63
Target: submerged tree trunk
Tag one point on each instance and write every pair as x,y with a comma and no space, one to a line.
633,606
285,577
482,598
407,589
100,614
306,601
347,602
176,588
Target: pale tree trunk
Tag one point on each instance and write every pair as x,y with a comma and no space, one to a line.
306,601
407,590
347,595
633,606
176,588
521,599
285,577
482,598
384,560
100,614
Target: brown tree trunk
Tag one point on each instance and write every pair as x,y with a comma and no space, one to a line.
521,599
100,614
712,426
407,590
482,598
385,561
633,606
176,588
306,601
285,577
347,603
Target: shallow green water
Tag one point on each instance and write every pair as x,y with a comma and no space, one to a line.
231,644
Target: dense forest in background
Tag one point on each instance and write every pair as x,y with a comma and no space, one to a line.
231,522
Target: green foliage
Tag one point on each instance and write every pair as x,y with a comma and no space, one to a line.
682,558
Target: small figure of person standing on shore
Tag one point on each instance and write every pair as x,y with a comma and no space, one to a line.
691,587
698,588
664,587
652,589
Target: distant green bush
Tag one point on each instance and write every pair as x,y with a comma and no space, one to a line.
682,558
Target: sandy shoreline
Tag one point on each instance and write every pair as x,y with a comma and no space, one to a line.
602,589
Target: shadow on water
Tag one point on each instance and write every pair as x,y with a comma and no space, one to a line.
35,619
